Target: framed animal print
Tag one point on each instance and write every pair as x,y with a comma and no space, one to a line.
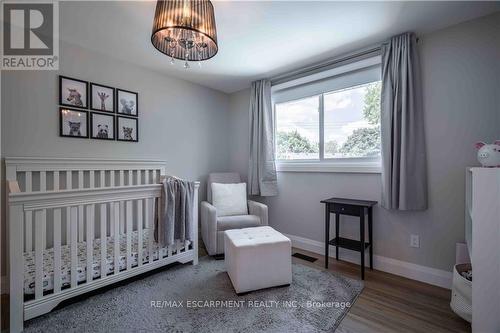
73,123
102,126
127,129
127,103
73,92
102,98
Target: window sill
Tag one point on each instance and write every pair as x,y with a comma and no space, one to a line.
328,167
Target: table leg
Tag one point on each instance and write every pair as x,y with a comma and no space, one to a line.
370,234
327,233
337,234
362,242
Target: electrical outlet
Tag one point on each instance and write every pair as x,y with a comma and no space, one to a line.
414,241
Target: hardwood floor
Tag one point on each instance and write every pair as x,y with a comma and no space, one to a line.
391,303
388,303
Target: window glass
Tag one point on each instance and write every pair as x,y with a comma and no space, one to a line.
352,122
297,129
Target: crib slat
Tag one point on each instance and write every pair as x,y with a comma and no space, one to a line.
90,242
57,250
69,179
130,174
56,180
155,177
91,179
139,230
28,181
103,241
74,254
138,177
116,220
153,221
102,182
40,220
150,177
122,218
80,179
68,225
28,216
112,178
80,223
148,226
129,232
121,182
43,181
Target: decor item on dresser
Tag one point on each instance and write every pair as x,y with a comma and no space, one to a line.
127,102
73,123
185,30
213,224
73,92
102,98
70,237
488,154
102,126
127,129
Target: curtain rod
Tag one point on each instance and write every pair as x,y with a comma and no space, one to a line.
322,66
341,60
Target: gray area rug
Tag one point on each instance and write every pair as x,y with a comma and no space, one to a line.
187,298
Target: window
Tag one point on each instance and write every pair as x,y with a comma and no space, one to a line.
352,122
297,132
340,125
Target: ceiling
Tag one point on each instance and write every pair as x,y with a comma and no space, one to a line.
261,38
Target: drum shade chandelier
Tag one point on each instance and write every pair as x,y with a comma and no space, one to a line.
185,30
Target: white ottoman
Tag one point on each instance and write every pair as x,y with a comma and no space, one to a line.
257,258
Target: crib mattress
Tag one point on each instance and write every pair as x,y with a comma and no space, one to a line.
48,261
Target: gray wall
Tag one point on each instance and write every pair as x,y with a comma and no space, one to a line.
180,122
461,99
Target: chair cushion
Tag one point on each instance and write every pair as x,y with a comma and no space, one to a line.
237,222
221,178
230,199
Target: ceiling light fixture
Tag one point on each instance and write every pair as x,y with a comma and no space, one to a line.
185,30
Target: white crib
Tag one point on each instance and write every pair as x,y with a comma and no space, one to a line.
75,225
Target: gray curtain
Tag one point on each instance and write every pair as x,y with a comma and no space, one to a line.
262,167
404,173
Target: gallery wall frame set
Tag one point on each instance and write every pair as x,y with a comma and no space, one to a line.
97,111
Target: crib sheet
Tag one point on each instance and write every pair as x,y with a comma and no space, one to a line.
48,260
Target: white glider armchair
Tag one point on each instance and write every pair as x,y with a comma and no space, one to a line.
213,226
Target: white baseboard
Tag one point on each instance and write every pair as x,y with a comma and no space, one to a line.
4,284
409,270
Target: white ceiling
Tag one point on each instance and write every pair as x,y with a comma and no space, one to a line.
259,39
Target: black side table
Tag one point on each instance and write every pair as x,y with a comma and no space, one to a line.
350,207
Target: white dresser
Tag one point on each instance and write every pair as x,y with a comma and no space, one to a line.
482,225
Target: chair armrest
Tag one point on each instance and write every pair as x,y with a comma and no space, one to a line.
259,209
209,227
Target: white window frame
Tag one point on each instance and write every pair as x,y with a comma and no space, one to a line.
342,165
